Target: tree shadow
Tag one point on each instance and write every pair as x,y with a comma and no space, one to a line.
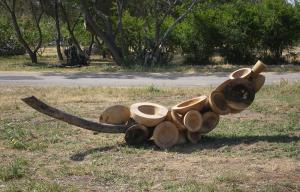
207,142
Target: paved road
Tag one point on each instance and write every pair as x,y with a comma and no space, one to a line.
128,79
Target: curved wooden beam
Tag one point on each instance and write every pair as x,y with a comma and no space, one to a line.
72,119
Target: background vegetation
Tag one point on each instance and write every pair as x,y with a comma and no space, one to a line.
150,33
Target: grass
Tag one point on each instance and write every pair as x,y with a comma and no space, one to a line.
48,60
256,150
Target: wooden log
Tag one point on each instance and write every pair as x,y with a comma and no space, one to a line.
136,134
210,121
72,119
165,135
218,103
258,68
193,120
182,138
116,114
194,137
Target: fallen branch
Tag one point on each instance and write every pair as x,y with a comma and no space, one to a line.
71,119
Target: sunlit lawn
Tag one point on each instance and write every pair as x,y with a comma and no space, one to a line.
257,150
48,62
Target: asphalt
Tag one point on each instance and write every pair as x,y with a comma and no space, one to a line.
121,79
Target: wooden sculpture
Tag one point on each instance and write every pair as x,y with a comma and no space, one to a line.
186,121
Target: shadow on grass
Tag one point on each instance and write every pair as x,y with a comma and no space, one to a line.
208,142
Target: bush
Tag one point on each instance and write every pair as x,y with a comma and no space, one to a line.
280,27
199,36
239,23
11,47
8,44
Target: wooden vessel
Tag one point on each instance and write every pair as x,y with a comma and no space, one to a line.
241,73
239,94
218,103
148,114
191,104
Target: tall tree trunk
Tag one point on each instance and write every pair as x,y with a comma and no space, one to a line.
107,38
31,54
91,45
58,34
33,57
120,6
70,28
37,17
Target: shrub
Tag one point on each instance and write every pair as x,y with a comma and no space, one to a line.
8,44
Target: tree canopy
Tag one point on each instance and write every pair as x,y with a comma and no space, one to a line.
151,32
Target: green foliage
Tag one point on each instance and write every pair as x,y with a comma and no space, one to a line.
199,35
241,31
280,27
8,43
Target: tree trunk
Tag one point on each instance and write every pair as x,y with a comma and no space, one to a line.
107,38
91,45
58,35
120,6
32,55
71,119
69,28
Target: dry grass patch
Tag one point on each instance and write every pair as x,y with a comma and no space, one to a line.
255,150
48,61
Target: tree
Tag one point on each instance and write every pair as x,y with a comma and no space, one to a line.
163,9
71,18
100,23
57,25
9,45
37,13
280,28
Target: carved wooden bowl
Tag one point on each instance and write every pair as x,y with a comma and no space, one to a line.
148,114
241,73
196,103
239,94
218,103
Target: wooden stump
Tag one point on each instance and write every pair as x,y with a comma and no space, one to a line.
165,135
258,68
193,120
117,115
194,137
210,121
136,134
